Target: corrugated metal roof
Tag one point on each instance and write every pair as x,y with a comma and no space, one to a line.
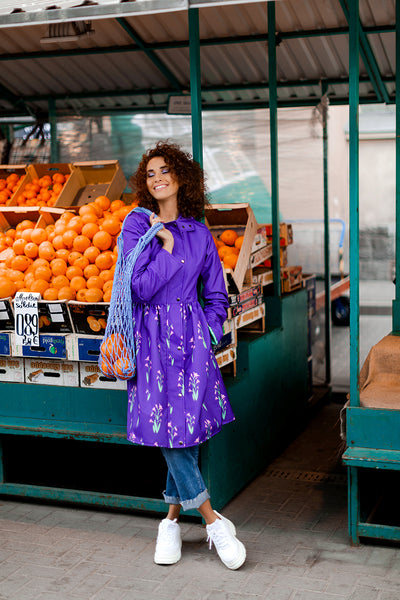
138,54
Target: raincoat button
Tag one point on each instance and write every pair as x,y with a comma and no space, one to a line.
182,260
181,443
180,395
178,299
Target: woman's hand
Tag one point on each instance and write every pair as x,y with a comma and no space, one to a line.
164,234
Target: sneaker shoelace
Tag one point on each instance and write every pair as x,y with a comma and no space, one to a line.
219,538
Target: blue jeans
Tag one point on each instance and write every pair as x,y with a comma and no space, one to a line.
185,484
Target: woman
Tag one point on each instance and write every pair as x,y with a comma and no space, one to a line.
178,399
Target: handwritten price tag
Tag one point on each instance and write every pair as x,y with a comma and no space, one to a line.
26,319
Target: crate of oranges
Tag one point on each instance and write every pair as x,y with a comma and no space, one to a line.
43,185
65,256
233,227
92,179
11,179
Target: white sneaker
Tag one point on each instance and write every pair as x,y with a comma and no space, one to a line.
230,550
169,543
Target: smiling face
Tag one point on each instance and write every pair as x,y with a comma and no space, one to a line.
161,181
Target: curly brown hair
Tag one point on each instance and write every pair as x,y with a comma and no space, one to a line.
192,197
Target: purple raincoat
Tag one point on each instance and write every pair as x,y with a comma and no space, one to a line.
178,397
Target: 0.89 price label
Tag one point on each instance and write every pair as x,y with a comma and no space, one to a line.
26,319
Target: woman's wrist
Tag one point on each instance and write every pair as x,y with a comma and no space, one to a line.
168,246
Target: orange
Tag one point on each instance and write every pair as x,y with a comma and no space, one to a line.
29,279
7,287
86,209
81,262
239,241
75,224
107,296
108,285
43,273
104,260
102,240
50,294
94,295
121,213
38,235
95,282
11,233
68,237
123,369
66,216
19,245
58,178
20,263
112,225
116,205
81,294
113,346
31,250
25,224
26,234
58,266
15,275
96,208
89,217
57,187
60,281
73,256
20,285
39,286
106,369
229,236
91,254
89,229
103,202
81,243
230,261
234,250
66,293
40,262
106,275
91,270
46,251
63,253
58,242
73,271
60,227
77,283
223,251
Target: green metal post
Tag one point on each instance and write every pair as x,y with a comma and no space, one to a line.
1,461
324,88
53,131
354,203
195,85
396,302
274,306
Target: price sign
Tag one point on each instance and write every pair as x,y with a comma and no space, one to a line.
26,319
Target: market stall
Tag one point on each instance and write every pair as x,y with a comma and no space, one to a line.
218,51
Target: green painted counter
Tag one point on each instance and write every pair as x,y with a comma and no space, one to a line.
48,433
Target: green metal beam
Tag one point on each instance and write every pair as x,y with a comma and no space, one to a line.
327,269
150,53
195,85
276,307
396,301
368,58
217,41
354,225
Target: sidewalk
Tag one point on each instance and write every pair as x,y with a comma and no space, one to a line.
293,520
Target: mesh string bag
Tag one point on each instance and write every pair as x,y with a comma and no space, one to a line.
117,350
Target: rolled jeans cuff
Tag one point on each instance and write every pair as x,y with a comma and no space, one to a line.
188,504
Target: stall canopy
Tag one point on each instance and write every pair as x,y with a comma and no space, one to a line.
131,55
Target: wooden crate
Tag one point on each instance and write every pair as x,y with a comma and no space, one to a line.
263,276
92,179
291,279
226,360
36,171
251,321
239,217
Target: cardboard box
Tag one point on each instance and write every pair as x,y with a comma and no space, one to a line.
239,217
285,233
250,292
90,376
263,276
51,372
54,317
249,316
228,337
92,179
38,170
83,347
226,356
291,278
261,255
51,346
10,216
283,258
89,319
242,307
5,344
20,170
12,369
6,315
260,238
